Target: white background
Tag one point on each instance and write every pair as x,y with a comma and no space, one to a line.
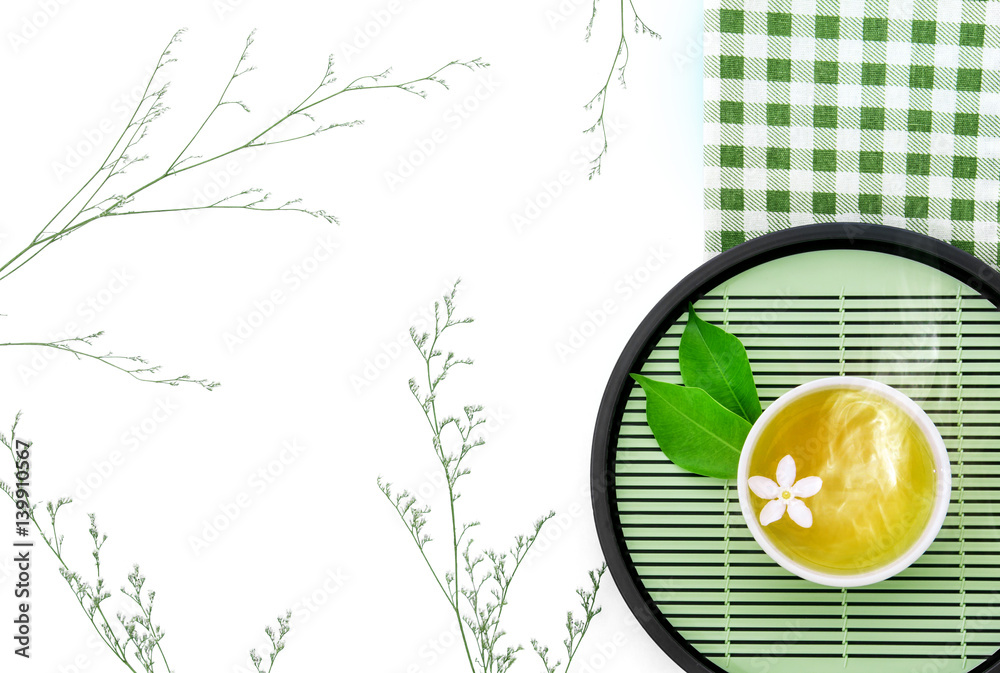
190,281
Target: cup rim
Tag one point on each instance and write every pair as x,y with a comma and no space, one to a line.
942,495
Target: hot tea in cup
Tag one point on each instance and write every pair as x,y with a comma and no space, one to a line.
844,481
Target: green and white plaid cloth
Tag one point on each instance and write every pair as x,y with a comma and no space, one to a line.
878,111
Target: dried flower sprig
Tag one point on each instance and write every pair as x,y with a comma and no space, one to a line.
105,195
277,638
576,629
620,62
130,635
134,365
476,584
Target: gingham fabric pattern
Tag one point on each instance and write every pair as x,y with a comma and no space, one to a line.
877,111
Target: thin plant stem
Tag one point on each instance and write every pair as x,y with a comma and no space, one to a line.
138,124
618,64
139,369
432,387
477,601
95,200
142,639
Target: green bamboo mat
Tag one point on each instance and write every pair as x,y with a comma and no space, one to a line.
878,111
804,317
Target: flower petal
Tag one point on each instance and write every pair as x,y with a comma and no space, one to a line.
799,513
771,512
786,472
806,487
763,487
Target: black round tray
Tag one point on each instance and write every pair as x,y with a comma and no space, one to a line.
700,648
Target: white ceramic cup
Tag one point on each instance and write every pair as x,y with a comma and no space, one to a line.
942,494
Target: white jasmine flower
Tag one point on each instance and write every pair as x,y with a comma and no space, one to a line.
785,494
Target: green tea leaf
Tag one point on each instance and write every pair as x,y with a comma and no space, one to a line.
697,433
715,361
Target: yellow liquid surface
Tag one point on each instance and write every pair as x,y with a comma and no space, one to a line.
878,479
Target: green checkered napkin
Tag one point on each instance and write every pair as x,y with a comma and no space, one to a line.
878,111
